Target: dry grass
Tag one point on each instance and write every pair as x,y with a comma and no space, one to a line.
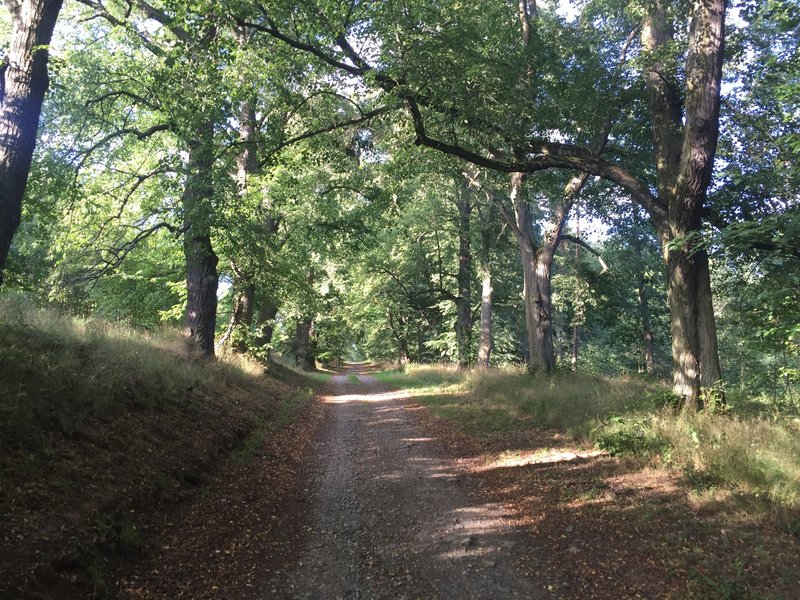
738,450
99,422
506,399
752,456
56,370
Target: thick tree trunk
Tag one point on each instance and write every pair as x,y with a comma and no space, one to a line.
201,260
685,134
304,347
538,313
463,301
695,357
244,288
397,325
486,341
23,83
536,266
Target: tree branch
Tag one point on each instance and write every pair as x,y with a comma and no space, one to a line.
580,242
365,116
137,133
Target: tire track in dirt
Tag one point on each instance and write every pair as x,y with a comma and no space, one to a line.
391,517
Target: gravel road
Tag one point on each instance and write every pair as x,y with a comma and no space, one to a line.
391,517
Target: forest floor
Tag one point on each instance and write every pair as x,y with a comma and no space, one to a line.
370,496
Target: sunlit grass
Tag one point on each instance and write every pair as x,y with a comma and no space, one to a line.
749,449
507,399
751,455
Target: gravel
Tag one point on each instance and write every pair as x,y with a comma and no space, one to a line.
391,517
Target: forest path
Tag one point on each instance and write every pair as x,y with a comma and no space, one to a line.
391,517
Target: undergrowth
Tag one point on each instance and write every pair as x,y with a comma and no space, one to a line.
750,448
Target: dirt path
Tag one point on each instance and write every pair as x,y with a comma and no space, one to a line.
390,516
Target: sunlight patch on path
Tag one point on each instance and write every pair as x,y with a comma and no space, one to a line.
537,457
366,398
393,517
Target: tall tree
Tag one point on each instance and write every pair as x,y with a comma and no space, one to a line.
684,117
23,83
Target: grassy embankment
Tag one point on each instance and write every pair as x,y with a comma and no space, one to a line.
101,425
750,450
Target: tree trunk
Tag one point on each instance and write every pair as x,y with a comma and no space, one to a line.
243,285
574,358
397,325
538,313
242,314
685,134
486,341
647,329
304,352
463,308
201,260
644,307
695,357
265,326
23,83
536,284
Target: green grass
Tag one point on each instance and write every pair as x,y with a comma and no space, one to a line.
750,448
421,376
503,400
353,378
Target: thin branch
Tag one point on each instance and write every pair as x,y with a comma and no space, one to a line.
580,242
118,254
272,29
137,133
326,129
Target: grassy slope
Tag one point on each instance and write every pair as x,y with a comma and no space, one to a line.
100,425
745,450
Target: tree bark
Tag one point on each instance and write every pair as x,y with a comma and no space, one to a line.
537,265
265,325
575,327
486,341
242,314
685,144
201,260
463,301
398,327
23,84
536,268
304,348
573,361
243,284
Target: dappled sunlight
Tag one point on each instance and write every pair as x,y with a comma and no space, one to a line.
461,532
365,398
466,553
384,421
538,457
394,476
